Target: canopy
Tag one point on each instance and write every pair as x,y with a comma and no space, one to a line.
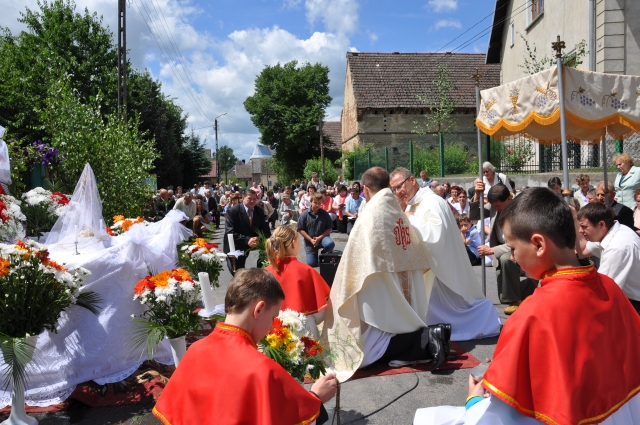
596,104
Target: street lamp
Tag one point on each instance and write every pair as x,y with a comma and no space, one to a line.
215,126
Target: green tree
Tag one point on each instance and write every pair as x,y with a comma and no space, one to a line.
226,160
288,101
193,159
314,165
533,64
439,118
121,159
58,41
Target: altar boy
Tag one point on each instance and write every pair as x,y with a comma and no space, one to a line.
569,355
224,379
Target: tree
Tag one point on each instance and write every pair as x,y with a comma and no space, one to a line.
315,165
193,159
226,160
533,64
58,42
288,101
120,158
441,105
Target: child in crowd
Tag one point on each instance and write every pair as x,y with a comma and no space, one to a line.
470,238
224,379
568,355
305,290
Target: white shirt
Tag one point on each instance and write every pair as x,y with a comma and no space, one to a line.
619,254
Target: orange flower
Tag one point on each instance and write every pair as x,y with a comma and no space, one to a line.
141,286
139,220
161,279
201,243
126,225
180,275
117,218
21,246
4,267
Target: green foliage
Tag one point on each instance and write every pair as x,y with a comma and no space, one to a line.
195,162
119,157
347,160
457,160
286,106
226,160
16,353
22,159
39,218
197,265
533,64
441,105
315,165
517,155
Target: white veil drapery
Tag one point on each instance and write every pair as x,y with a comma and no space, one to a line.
5,164
82,219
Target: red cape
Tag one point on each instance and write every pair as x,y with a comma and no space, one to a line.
569,355
224,379
304,289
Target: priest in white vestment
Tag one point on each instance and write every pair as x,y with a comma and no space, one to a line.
456,296
379,291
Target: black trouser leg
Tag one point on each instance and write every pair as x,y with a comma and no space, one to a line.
635,304
408,347
239,264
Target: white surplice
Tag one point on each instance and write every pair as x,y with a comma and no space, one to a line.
456,298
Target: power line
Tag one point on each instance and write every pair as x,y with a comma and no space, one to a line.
166,56
178,55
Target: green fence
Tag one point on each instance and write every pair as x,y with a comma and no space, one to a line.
519,155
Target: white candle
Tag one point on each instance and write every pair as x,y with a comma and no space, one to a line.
207,292
232,244
75,237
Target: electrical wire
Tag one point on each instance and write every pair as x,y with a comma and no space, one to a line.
166,55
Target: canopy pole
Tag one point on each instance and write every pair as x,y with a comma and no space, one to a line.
605,169
477,76
558,46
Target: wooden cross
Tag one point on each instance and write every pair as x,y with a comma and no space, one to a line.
558,46
477,76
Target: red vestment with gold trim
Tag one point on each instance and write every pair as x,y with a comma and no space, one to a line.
224,379
569,354
304,289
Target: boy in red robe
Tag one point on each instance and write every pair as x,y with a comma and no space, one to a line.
223,379
569,355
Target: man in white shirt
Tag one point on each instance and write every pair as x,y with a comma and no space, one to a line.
617,246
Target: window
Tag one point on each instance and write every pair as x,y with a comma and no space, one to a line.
512,34
537,8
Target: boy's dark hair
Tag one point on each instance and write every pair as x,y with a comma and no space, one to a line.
270,193
248,192
376,179
250,285
596,212
317,197
462,217
540,210
498,192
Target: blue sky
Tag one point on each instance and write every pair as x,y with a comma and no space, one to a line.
224,44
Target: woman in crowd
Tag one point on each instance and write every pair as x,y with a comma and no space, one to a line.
627,181
327,204
233,200
455,191
555,184
287,210
339,204
462,206
447,190
305,203
297,202
583,181
203,216
304,289
491,178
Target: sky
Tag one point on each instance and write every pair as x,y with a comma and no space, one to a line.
207,54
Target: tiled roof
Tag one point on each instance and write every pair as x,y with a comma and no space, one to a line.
212,172
333,130
243,171
394,80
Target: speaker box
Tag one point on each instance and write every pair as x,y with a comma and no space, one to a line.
329,264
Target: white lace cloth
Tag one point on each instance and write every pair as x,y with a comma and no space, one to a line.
89,347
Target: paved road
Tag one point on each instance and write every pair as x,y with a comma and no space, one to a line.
358,399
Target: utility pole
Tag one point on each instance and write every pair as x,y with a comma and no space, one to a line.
319,128
122,60
215,127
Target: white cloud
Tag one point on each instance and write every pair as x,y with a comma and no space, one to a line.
224,70
372,36
443,5
448,23
338,16
292,3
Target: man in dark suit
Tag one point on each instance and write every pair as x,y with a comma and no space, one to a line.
211,206
622,213
242,221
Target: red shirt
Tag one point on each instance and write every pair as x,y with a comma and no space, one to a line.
305,291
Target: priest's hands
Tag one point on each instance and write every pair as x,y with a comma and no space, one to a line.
476,388
325,387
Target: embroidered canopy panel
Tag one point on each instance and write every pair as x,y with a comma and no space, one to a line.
596,104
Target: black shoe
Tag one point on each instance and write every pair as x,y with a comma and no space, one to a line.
446,332
436,347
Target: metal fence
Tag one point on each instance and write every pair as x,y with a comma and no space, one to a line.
519,155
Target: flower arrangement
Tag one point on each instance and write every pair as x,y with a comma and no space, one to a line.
290,345
171,298
42,208
122,225
201,256
36,290
11,218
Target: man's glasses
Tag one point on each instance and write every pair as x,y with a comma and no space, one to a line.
395,189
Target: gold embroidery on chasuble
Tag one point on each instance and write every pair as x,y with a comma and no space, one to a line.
406,285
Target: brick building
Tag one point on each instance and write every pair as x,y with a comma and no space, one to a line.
381,90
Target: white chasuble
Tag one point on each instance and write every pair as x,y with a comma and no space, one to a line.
457,297
379,285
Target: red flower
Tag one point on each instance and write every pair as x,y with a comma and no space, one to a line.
4,216
60,198
110,232
210,246
194,250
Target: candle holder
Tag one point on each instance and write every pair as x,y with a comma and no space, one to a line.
233,261
76,253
